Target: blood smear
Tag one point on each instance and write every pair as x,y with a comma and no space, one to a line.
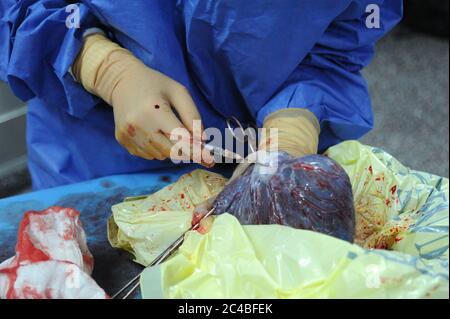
49,243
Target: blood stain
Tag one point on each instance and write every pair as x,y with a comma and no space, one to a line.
393,189
166,179
131,130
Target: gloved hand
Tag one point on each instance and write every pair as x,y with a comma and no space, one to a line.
297,132
298,188
294,131
142,99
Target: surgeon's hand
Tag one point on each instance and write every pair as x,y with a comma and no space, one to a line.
144,102
294,131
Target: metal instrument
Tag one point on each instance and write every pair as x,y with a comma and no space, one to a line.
223,152
250,139
133,284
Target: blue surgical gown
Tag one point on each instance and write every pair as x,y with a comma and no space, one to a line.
241,58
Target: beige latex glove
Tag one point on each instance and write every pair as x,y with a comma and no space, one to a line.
297,134
294,131
142,99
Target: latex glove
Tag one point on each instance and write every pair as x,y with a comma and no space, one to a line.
142,99
297,133
200,211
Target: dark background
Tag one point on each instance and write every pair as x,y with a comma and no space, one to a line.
408,81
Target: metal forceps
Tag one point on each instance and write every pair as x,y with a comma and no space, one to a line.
244,139
250,138
132,285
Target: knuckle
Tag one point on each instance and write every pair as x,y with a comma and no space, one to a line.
149,157
165,153
181,89
132,151
119,137
131,119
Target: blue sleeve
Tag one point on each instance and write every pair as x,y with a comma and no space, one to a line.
328,81
37,49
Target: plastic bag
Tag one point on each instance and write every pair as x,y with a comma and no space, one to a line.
146,227
402,211
312,192
396,208
273,261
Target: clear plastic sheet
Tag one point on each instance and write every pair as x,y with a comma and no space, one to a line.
400,250
312,193
147,226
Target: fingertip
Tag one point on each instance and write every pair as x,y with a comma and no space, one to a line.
208,162
208,165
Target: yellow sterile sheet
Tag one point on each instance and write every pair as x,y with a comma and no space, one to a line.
400,251
148,226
